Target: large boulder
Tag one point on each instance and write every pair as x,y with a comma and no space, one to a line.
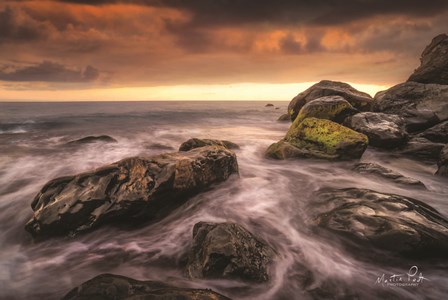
421,105
136,189
334,108
359,100
371,220
285,150
380,171
443,162
114,287
422,148
434,62
383,130
228,251
326,139
437,134
196,143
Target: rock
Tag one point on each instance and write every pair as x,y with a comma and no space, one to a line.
284,118
228,251
437,134
159,146
109,286
359,100
434,62
134,189
420,105
92,139
334,108
422,148
383,130
326,139
196,143
375,169
443,162
269,105
371,220
284,150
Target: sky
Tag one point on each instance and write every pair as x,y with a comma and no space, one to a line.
83,50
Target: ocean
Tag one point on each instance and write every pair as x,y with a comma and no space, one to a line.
270,198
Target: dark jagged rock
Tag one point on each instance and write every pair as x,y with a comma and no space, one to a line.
116,287
375,169
269,105
334,108
437,134
135,189
370,220
158,146
92,139
359,100
422,148
228,251
319,138
443,162
434,62
284,118
196,143
383,130
420,105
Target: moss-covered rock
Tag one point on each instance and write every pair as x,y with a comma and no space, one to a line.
284,150
334,108
327,137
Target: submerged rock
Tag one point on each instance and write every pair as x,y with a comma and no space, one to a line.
371,220
269,105
422,148
437,134
228,251
92,139
375,169
196,143
111,287
434,62
359,100
383,130
420,105
326,139
334,108
443,162
284,118
136,189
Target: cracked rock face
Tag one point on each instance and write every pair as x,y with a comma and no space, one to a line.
383,130
109,286
197,143
378,170
420,105
359,100
136,189
228,251
434,62
390,223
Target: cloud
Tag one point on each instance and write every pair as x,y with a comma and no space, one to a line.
14,28
48,71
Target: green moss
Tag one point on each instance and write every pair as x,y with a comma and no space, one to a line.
325,135
331,108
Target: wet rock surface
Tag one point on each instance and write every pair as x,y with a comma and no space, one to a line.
196,143
421,105
422,149
115,287
334,108
137,189
436,134
92,139
389,223
380,171
383,130
284,118
434,62
443,162
228,251
357,99
326,139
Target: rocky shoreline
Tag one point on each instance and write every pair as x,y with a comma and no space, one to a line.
330,121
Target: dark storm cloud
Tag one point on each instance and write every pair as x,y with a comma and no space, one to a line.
48,71
11,29
317,12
